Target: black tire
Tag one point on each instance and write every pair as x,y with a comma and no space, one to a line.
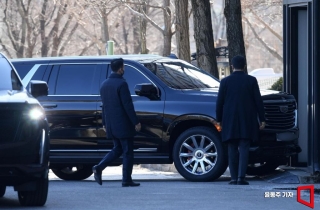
205,161
37,197
261,169
68,173
2,190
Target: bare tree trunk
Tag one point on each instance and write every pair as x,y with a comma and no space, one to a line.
232,12
182,30
24,16
203,36
63,45
167,33
125,35
136,34
165,30
105,30
53,34
143,30
55,30
44,38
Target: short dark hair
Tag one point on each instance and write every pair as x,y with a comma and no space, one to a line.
238,62
116,64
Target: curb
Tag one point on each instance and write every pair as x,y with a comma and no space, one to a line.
292,175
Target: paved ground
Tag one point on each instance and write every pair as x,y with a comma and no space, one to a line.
283,175
168,190
139,173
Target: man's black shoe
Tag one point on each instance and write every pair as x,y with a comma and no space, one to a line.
97,174
242,182
233,182
130,184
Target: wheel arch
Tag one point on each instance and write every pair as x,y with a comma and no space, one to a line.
183,123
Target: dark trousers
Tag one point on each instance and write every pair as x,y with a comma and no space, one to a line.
238,155
122,147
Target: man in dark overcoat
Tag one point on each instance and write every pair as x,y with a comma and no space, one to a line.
120,122
240,113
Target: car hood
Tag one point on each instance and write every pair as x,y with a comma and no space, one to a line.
10,96
268,92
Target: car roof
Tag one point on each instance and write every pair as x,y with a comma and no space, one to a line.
134,57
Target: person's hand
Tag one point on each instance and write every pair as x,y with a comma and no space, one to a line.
262,125
138,127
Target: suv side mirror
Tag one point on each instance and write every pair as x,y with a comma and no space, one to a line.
38,88
148,90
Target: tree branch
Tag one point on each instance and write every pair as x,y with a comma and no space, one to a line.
143,15
139,4
271,50
267,26
61,51
48,21
56,23
10,35
86,48
65,27
4,47
88,33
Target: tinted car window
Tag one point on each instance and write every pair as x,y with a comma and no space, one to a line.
52,79
75,79
133,77
16,84
38,75
179,75
22,69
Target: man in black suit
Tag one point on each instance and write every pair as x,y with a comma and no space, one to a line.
239,112
120,122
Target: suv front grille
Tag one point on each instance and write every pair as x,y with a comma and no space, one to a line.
280,114
9,124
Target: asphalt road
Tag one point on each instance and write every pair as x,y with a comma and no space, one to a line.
164,190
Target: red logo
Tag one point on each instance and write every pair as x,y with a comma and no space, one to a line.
310,188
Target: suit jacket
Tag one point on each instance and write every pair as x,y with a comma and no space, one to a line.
239,107
119,116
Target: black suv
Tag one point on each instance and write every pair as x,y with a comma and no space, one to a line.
174,101
24,137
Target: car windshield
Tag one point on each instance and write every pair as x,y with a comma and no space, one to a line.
9,78
182,75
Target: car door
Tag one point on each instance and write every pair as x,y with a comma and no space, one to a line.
71,107
149,112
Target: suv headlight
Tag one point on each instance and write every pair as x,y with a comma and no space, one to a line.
36,114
